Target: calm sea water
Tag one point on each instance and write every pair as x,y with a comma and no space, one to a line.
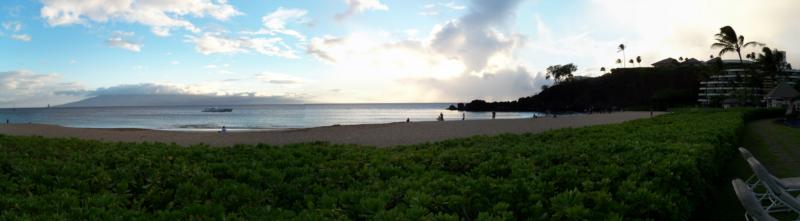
280,116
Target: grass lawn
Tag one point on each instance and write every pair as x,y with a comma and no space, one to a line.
776,146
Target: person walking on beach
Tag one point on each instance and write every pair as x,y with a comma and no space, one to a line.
408,120
224,129
463,116
494,114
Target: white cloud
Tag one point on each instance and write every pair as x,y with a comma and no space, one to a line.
470,57
22,37
276,23
12,26
359,6
216,43
142,89
27,89
160,15
651,29
278,78
433,9
505,84
478,36
120,40
174,62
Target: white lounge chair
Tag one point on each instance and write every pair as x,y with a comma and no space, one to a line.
791,184
779,198
752,205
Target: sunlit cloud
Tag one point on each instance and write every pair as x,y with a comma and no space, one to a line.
160,15
359,6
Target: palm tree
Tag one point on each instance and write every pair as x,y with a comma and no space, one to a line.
621,48
619,61
728,41
773,62
639,60
602,69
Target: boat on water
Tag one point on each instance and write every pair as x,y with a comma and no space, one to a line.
216,109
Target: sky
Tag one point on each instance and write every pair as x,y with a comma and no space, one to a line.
352,51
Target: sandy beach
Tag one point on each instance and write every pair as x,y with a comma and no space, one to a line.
381,135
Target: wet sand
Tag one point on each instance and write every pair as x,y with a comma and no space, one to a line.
381,135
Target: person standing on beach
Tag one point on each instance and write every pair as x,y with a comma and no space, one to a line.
493,114
463,116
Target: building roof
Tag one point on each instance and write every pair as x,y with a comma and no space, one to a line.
783,90
666,62
692,62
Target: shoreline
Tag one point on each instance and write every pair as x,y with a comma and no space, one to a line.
379,135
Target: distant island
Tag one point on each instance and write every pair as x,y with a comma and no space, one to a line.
129,100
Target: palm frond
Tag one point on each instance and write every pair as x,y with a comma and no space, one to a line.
726,50
720,45
754,44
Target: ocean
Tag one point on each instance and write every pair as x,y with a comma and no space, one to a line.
249,117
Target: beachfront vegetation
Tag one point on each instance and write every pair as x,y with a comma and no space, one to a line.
628,88
656,169
560,73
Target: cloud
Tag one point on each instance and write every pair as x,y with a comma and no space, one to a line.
160,15
505,84
27,89
433,9
277,78
216,43
13,26
276,23
22,37
119,40
478,36
139,89
468,57
359,6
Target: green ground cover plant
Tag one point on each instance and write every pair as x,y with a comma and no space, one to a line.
650,169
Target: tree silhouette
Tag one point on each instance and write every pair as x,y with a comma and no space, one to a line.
772,62
560,73
619,61
621,48
639,60
728,42
680,58
631,61
602,69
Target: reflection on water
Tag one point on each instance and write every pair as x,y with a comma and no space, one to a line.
282,116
